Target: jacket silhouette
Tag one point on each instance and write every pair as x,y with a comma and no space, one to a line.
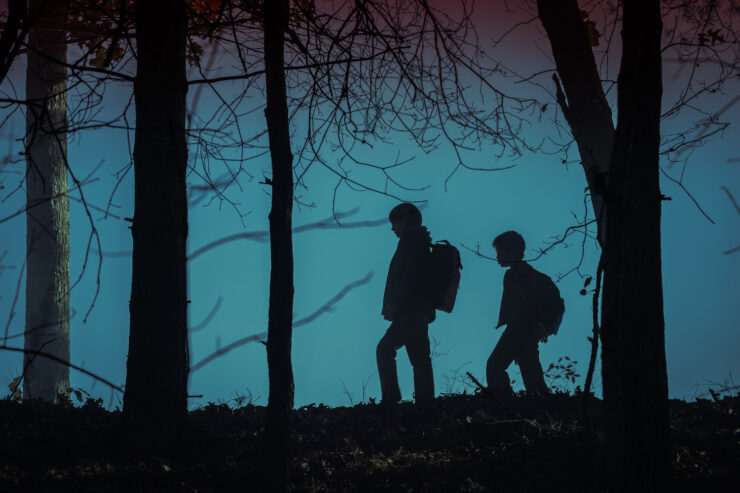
406,284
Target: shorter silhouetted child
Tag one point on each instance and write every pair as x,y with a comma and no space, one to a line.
519,342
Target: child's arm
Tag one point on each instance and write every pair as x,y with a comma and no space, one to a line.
515,305
504,313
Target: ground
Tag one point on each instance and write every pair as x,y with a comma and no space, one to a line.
458,443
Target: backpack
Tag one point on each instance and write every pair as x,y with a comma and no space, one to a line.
549,305
444,275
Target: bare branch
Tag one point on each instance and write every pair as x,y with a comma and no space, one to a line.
737,208
209,317
681,185
732,199
327,307
329,222
64,362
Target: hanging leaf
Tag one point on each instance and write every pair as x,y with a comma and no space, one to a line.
593,34
193,54
99,59
16,391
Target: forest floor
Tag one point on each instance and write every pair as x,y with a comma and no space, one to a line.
459,443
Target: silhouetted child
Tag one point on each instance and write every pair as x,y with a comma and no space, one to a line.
407,305
520,339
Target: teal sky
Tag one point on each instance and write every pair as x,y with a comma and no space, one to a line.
334,356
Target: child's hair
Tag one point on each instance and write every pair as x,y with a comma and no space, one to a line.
408,211
511,244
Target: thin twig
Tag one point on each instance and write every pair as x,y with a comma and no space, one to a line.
475,381
594,339
303,321
64,362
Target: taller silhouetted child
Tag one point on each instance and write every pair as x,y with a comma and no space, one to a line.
408,306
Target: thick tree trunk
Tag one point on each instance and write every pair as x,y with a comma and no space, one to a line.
279,328
155,401
633,356
581,96
47,218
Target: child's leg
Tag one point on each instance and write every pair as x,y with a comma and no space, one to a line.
417,348
501,357
529,364
386,357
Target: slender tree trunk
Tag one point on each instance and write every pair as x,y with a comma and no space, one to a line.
581,96
279,328
155,400
633,356
47,219
583,103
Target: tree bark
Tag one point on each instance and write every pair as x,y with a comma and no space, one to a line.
155,400
47,217
279,328
633,355
581,96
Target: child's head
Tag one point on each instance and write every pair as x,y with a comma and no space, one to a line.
509,248
404,216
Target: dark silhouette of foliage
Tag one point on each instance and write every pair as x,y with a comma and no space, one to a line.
462,443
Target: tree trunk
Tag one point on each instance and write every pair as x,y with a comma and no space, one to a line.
279,327
633,356
47,217
155,400
586,109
